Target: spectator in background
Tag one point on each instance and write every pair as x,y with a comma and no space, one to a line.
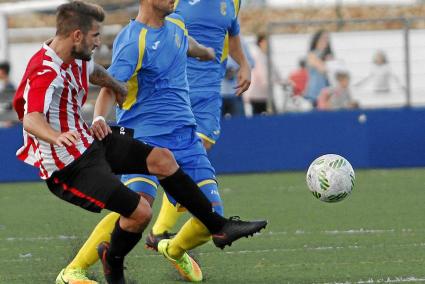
7,89
7,92
299,78
320,52
381,75
255,98
338,97
232,104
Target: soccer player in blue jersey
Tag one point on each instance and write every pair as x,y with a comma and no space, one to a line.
218,28
150,55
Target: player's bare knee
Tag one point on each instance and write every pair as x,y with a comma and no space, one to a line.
142,215
161,162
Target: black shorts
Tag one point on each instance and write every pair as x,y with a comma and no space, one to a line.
91,182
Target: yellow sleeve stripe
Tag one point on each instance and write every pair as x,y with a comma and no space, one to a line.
133,83
225,51
179,23
141,179
205,137
237,5
176,3
205,182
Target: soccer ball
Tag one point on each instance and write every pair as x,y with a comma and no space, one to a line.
330,178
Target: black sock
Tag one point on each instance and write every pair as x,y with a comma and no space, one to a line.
122,242
185,191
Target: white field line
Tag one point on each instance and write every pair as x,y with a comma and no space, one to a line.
316,248
304,248
360,231
40,238
407,279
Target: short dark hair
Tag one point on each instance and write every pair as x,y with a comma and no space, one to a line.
342,74
5,66
77,15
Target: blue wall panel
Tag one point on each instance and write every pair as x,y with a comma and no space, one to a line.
12,169
388,138
397,138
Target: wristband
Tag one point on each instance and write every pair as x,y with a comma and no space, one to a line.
97,118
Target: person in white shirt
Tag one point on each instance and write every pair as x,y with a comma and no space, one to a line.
381,76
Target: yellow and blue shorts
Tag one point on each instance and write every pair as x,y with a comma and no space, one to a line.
191,157
206,106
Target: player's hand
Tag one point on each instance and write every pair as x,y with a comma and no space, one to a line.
120,99
120,92
68,138
99,128
244,79
210,54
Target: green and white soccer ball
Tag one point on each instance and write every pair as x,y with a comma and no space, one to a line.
330,178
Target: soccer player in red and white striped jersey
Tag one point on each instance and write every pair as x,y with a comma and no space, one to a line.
56,90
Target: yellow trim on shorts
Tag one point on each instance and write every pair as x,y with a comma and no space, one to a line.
133,83
205,137
142,179
180,208
205,182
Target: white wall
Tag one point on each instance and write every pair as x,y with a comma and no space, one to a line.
301,3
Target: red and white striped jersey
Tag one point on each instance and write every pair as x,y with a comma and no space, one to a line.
59,91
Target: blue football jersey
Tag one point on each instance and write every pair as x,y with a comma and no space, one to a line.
153,61
210,22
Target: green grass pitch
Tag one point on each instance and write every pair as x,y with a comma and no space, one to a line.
377,235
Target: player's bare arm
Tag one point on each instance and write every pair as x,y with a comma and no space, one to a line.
101,77
200,51
36,124
244,73
104,103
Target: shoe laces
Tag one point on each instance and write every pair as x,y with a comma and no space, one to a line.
235,218
185,263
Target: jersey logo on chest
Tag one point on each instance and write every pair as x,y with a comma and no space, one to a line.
155,45
177,40
223,8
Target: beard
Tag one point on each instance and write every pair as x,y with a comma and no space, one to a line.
164,10
83,53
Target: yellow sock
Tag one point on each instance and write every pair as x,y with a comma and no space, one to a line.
191,235
87,255
167,217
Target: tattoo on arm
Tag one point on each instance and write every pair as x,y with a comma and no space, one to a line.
102,78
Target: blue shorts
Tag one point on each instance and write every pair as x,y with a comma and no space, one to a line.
206,107
191,157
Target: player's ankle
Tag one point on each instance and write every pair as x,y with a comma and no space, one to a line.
175,252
